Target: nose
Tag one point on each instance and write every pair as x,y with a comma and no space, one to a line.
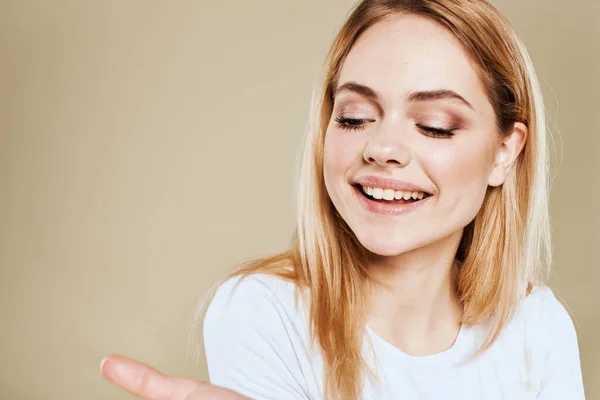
387,147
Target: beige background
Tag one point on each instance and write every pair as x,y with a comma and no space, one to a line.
148,146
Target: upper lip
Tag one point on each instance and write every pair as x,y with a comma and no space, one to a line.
386,183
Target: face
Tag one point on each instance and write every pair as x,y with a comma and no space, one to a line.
412,127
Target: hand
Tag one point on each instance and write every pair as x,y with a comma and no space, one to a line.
146,382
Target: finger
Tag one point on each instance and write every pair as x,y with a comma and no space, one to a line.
144,381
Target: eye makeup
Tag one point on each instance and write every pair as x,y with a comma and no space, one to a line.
438,119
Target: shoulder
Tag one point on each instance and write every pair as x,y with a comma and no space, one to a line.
550,332
257,301
256,339
539,349
542,311
542,298
254,289
540,324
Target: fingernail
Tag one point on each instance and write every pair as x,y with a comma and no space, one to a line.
102,363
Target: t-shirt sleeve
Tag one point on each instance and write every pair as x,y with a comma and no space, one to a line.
252,344
562,368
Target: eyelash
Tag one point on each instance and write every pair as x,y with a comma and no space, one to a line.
354,124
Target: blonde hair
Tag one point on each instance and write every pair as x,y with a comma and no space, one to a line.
504,251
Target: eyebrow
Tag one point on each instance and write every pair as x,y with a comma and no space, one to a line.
428,95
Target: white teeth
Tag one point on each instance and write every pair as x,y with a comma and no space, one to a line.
391,194
377,193
388,194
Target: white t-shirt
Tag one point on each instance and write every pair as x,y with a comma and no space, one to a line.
257,343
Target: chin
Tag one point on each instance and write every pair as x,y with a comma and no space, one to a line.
387,247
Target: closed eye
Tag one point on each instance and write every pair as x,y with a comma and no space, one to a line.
436,132
357,124
351,124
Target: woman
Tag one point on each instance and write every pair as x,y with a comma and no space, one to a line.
423,238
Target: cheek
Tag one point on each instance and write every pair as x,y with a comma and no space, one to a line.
342,152
460,171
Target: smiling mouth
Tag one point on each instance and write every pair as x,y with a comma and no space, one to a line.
391,196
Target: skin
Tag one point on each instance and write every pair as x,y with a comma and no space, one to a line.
416,308
145,382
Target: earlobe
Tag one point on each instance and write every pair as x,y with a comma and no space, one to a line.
496,177
501,165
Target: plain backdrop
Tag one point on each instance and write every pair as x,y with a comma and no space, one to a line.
146,147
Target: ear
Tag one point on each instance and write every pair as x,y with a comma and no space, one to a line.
509,149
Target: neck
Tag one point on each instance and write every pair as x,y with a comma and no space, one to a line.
413,295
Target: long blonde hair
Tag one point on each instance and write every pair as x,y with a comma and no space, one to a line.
504,251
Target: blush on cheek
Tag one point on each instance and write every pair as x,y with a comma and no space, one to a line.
342,150
461,179
455,168
442,158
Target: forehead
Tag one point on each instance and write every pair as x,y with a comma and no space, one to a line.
407,53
